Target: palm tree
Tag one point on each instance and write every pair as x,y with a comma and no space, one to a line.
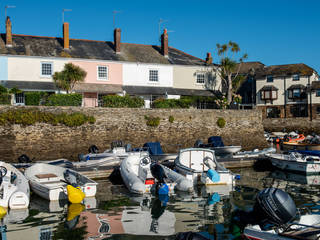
69,76
229,67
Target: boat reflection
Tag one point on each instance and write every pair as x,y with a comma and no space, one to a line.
295,177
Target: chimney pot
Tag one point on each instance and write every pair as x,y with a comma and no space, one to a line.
66,41
8,33
209,59
117,40
164,44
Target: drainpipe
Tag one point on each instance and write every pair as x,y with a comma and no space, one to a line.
310,92
285,97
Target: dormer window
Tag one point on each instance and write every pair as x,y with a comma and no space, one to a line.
268,93
296,77
269,78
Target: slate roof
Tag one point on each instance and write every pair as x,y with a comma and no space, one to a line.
29,85
247,66
99,88
285,70
269,88
140,90
315,85
89,49
296,86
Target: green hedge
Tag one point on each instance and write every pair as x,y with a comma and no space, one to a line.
5,98
30,116
115,101
171,103
32,98
73,99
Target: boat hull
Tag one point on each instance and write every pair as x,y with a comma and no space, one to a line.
299,146
302,167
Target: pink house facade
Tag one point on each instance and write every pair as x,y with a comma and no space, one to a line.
103,77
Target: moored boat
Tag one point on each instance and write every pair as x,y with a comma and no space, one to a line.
296,162
156,153
200,165
136,173
52,182
300,146
215,143
14,188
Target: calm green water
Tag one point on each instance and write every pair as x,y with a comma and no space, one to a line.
114,214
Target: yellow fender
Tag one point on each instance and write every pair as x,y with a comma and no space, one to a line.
74,210
3,212
75,195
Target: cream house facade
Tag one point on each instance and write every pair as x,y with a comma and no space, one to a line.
284,91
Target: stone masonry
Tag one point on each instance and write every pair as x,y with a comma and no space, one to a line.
45,142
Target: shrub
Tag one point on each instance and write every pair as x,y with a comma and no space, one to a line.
152,121
73,99
171,103
5,98
3,89
115,101
30,116
171,119
221,122
32,98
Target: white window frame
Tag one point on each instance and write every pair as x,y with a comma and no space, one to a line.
149,77
107,73
204,78
41,72
296,77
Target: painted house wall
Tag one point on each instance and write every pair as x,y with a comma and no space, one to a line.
137,74
279,83
29,68
186,77
3,68
91,67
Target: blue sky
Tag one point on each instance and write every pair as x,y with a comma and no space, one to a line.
273,32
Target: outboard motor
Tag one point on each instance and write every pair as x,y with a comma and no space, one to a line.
274,206
24,159
70,178
198,143
93,149
158,173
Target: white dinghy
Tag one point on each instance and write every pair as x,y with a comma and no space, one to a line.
137,176
14,188
51,182
200,165
296,162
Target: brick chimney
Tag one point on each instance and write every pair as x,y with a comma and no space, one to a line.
209,59
164,44
66,35
8,33
117,40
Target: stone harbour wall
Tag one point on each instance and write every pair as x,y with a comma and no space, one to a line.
303,125
45,142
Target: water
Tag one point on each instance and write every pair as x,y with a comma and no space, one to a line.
115,214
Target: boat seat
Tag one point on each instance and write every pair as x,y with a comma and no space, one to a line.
47,177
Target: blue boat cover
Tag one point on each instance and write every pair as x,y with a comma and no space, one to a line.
216,141
154,148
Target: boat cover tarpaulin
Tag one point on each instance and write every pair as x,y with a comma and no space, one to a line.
216,141
308,152
154,148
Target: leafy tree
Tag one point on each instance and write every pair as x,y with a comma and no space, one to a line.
230,65
69,76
